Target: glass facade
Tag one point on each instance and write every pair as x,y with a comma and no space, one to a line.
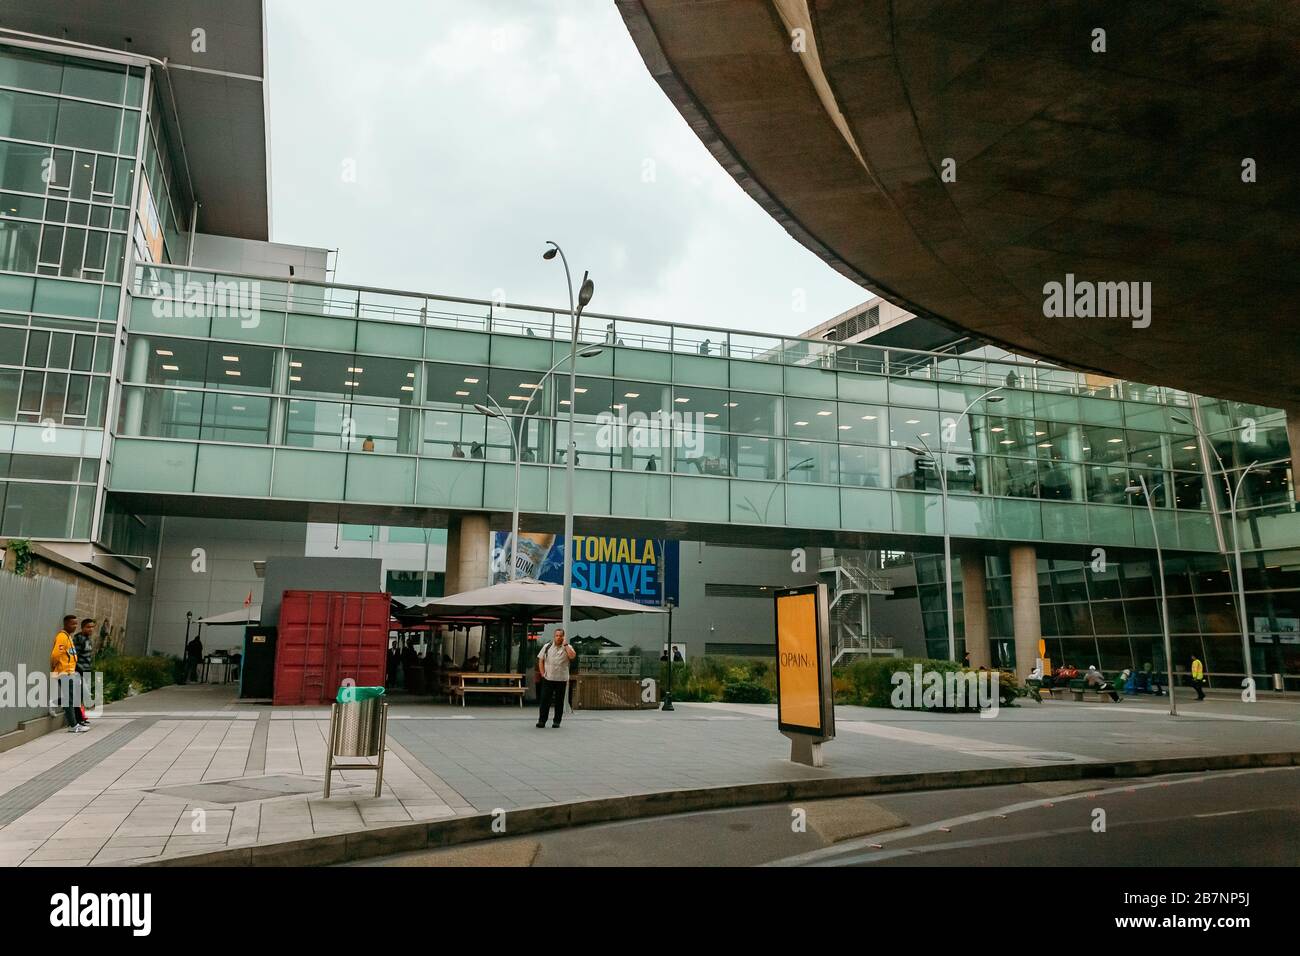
68,140
670,421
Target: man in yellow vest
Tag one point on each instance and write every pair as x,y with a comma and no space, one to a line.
63,666
1198,677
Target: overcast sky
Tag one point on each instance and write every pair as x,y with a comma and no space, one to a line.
439,144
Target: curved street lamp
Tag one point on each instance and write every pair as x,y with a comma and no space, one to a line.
585,292
1160,565
1233,491
515,439
938,462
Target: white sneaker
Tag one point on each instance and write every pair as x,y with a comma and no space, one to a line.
79,729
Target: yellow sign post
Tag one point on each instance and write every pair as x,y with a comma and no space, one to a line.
805,704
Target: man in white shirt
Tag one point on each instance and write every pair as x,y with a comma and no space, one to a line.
553,676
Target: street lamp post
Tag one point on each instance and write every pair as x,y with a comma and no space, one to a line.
515,440
585,293
1164,602
943,490
1233,491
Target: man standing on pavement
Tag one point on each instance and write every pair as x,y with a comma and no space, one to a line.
63,666
85,644
553,676
1198,677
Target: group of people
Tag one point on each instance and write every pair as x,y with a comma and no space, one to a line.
71,661
1144,681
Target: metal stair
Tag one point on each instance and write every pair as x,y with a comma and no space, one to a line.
853,581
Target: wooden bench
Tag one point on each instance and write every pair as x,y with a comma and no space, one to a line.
467,682
1079,687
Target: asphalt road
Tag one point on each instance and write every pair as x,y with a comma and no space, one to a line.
1246,818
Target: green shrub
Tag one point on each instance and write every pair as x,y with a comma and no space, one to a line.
746,692
122,674
870,681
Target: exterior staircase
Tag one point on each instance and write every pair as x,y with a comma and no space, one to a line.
852,582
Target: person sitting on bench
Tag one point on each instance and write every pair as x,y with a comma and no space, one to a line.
1094,680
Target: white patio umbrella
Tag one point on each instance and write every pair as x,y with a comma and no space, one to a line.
532,600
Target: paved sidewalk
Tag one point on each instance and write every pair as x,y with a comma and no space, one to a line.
186,769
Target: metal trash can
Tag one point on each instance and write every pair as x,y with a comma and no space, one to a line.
358,729
1278,683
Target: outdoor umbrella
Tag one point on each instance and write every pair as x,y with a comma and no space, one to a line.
532,600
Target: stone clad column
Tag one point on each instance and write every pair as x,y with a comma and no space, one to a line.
974,606
469,553
1293,435
1025,619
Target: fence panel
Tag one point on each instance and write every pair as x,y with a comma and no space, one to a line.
31,611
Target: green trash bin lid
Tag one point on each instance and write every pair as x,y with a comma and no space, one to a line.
352,695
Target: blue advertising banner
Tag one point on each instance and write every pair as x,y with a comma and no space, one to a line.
627,568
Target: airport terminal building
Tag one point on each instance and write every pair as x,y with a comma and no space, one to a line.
178,391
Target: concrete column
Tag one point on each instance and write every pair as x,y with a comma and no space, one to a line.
1024,607
974,605
469,553
137,371
1293,435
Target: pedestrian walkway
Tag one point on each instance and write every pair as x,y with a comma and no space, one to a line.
188,769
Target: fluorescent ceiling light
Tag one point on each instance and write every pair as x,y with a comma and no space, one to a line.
166,352
462,394
631,394
230,358
356,370
681,400
232,371
868,418
471,381
801,423
171,368
295,378
823,413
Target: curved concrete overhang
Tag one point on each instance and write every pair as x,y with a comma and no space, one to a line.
956,158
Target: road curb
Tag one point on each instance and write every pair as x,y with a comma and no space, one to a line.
434,834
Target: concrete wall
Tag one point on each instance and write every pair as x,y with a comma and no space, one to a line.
316,574
250,257
225,579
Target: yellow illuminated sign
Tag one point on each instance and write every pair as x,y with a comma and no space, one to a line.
799,692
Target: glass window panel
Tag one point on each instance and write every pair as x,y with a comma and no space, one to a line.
74,248
701,453
236,418
310,424
911,426
864,424
384,380
9,382
52,244
83,174
105,169
19,242
464,386
811,418
755,456
22,167
38,348
94,82
160,413
38,510
707,408
30,71
864,466
815,462
755,414
379,428
28,116
78,392
60,349
449,434
86,125
167,361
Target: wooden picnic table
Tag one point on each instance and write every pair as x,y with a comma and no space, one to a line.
464,683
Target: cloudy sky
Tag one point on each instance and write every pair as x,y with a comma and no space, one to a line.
439,143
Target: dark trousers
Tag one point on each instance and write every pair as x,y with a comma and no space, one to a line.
67,698
551,692
1198,684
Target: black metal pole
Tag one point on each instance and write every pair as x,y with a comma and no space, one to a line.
668,693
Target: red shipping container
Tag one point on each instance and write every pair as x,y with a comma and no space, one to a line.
325,637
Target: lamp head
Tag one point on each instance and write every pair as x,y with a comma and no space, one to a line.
1179,419
591,352
917,451
993,399
484,410
1132,490
550,253
586,292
